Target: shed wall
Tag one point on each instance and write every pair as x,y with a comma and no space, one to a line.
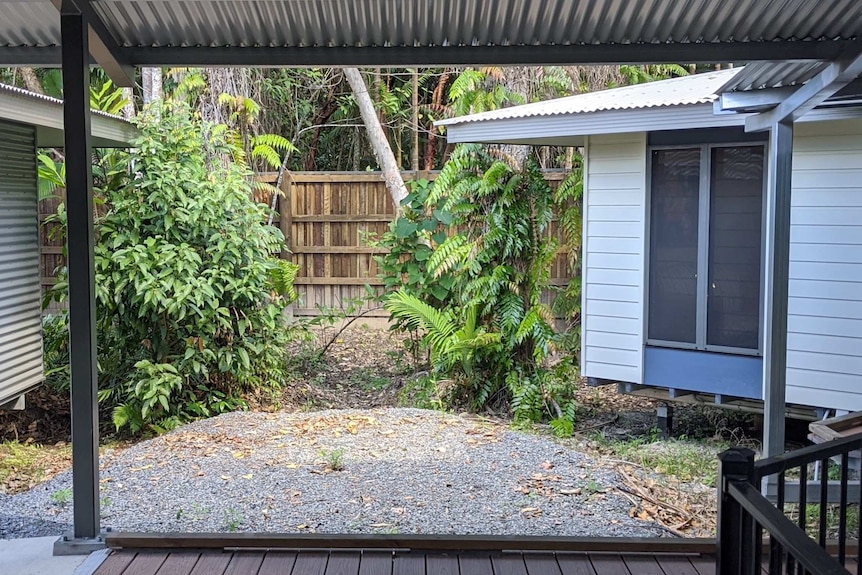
824,340
613,286
20,312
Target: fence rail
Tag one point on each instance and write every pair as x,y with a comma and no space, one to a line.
327,219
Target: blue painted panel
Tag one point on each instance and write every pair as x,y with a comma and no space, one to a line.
704,371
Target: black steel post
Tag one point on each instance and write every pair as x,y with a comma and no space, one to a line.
737,552
81,269
778,266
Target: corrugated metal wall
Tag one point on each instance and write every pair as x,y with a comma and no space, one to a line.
20,317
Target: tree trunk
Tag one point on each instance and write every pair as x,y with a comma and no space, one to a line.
152,84
414,116
518,80
379,143
129,107
31,80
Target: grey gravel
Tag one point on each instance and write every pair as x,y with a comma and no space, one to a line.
404,471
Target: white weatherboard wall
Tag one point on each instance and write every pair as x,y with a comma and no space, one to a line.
824,341
20,312
613,289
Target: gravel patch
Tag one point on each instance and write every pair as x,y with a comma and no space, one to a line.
404,471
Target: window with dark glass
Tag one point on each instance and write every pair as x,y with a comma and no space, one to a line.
706,213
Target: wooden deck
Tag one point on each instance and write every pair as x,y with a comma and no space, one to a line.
285,554
378,562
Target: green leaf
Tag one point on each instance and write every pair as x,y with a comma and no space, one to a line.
404,228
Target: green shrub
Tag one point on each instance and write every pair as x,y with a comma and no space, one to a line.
470,259
189,295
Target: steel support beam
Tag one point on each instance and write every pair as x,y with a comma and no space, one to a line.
81,269
410,56
102,45
777,277
808,96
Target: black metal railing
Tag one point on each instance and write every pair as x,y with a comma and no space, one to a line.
794,547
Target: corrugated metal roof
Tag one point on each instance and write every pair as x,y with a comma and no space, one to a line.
695,89
417,23
759,75
22,93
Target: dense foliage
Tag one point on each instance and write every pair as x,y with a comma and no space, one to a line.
189,297
476,291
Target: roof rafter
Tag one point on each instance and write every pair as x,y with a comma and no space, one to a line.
103,47
808,96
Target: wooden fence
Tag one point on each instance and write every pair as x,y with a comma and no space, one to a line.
327,219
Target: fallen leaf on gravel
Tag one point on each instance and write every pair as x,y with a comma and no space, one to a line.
226,477
547,465
531,511
387,431
200,474
141,468
378,525
570,491
302,526
247,476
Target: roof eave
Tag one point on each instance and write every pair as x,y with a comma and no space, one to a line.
47,116
570,129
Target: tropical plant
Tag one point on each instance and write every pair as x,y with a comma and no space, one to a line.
189,298
491,332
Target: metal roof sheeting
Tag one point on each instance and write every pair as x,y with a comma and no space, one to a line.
695,89
759,75
22,93
355,23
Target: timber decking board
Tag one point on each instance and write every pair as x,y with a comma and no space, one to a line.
609,565
146,563
245,563
116,563
509,564
408,564
375,563
309,563
212,563
277,563
442,564
544,563
677,565
401,562
343,563
575,564
475,565
180,563
642,564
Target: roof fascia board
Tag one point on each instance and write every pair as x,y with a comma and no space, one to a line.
569,126
48,119
409,56
808,96
103,47
755,100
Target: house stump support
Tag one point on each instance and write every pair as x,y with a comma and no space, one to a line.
86,535
664,419
777,279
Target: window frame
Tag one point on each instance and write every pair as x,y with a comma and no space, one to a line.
703,221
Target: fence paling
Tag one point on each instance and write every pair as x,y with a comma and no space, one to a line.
326,217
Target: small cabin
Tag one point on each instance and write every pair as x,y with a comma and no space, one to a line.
29,121
676,219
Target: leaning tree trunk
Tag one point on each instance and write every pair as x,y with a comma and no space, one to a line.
379,143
